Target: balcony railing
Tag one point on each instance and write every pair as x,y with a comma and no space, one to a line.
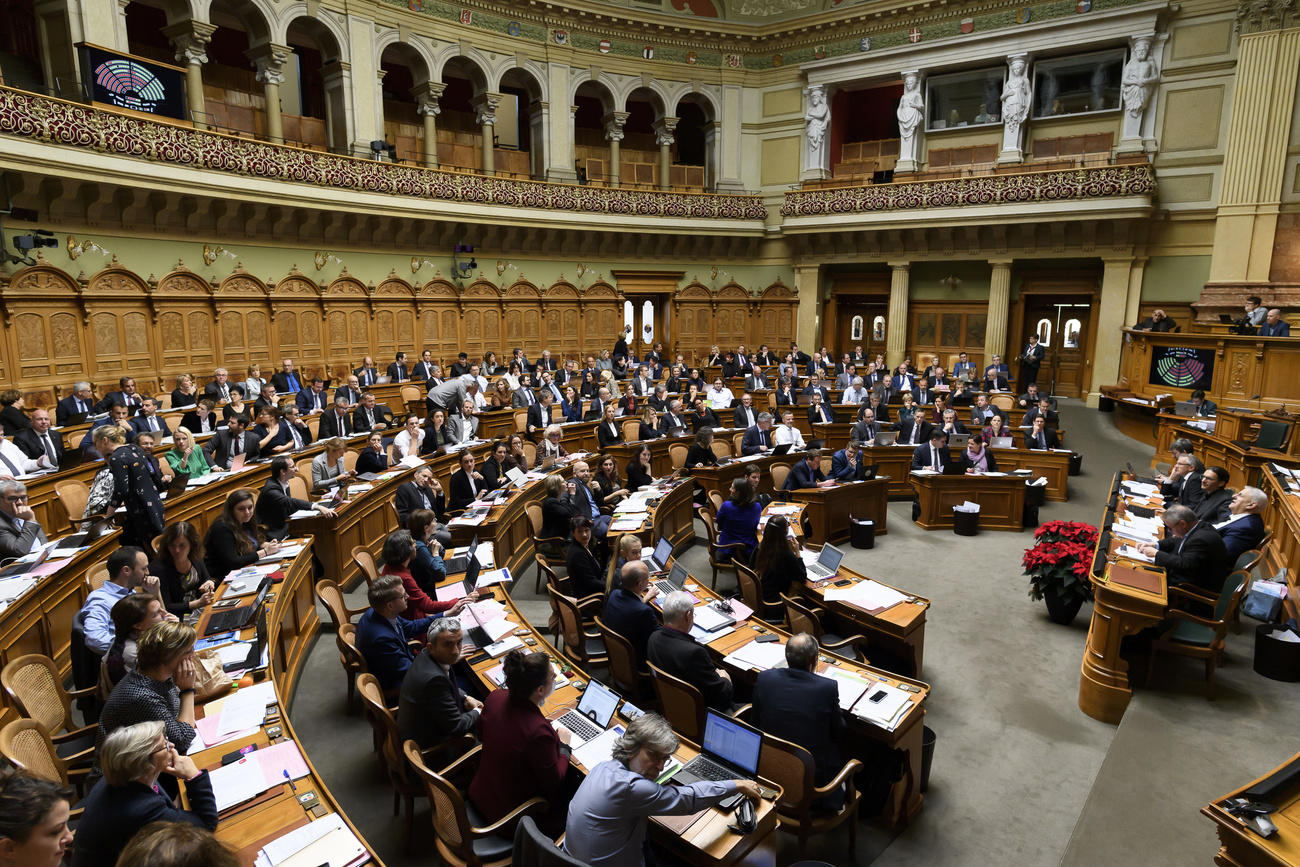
1030,187
65,123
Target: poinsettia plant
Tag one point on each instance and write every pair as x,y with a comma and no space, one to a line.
1060,558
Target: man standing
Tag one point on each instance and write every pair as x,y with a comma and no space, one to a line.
1030,360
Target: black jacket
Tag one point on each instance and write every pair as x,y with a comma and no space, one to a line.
115,813
219,553
803,708
31,444
921,456
631,618
411,496
171,583
683,657
605,437
274,506
218,449
556,515
462,493
332,426
431,707
1049,437
1198,558
371,461
193,422
585,571
1213,508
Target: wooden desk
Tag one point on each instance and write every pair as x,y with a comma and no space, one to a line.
899,631
718,479
661,461
672,516
829,508
1242,847
1053,465
894,463
1283,518
1001,499
1244,463
1117,611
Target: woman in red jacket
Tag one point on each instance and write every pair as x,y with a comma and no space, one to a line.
523,755
399,548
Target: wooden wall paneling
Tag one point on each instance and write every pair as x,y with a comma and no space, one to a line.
348,328
523,316
120,336
562,317
481,303
296,315
1183,314
243,324
774,316
732,316
393,301
439,320
44,338
602,317
693,307
183,317
942,329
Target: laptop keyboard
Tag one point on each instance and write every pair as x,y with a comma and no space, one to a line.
817,570
707,769
580,725
665,587
224,621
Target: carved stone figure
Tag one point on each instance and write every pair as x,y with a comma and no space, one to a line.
1015,108
817,120
911,112
1139,82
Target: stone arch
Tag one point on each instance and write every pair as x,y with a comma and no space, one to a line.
601,86
652,92
527,85
468,61
322,26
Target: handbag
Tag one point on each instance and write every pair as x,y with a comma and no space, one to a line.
1264,600
210,679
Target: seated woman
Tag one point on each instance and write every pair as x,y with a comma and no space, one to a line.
738,518
649,428
571,406
237,406
426,566
33,820
132,617
995,428
550,449
493,469
515,375
640,472
701,451
182,574
556,511
234,540
701,416
327,468
610,432
777,562
523,755
516,457
436,433
398,551
586,571
160,689
611,486
605,362
185,393
128,796
500,395
975,458
373,458
172,844
269,433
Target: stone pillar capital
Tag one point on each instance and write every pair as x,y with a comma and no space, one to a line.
269,60
664,128
900,266
190,39
614,122
485,107
426,97
1001,263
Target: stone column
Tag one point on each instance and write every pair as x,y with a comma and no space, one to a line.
190,39
269,60
485,114
427,106
1135,291
539,122
664,128
896,331
1111,312
57,35
995,325
614,122
807,283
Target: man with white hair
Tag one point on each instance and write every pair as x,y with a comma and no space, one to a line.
855,393
219,388
673,649
1244,528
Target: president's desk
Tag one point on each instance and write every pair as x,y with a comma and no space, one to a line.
1001,499
1229,445
1244,847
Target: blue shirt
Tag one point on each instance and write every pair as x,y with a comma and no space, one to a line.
608,814
98,621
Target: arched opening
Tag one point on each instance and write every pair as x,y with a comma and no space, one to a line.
597,135
314,112
36,50
460,135
864,130
401,72
648,140
695,166
521,125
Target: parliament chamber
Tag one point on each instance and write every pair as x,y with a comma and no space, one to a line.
611,433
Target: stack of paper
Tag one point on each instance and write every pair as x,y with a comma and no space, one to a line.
495,576
328,840
883,705
628,523
1141,489
868,595
710,619
1132,553
503,646
598,749
758,656
851,686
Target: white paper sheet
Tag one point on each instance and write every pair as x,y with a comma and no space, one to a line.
758,656
238,782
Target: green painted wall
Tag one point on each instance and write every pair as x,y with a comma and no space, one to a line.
924,281
1175,278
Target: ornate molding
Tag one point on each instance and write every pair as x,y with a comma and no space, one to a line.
1011,189
68,124
1257,16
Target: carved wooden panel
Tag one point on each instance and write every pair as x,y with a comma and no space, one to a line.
386,335
286,332
1241,370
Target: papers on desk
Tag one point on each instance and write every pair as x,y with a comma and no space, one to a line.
286,552
245,709
328,840
450,592
882,705
925,471
869,595
13,587
483,554
775,509
710,619
598,749
628,523
304,513
503,646
487,610
1140,489
495,576
758,656
200,481
255,773
233,653
705,637
851,686
471,518
1131,553
411,461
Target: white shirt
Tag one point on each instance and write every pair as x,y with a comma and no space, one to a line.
14,455
720,398
1231,518
854,396
402,443
782,434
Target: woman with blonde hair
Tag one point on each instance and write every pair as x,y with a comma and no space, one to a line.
185,393
161,689
185,456
253,384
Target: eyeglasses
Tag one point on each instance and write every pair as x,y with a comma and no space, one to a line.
16,498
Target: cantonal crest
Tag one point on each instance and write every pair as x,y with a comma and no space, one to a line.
513,29
733,61
967,25
864,44
648,52
1023,14
466,16
692,57
819,52
561,37
1083,6
914,35
605,46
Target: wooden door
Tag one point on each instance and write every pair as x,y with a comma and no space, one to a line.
647,310
1063,324
859,322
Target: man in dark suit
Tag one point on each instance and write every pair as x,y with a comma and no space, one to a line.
275,504
1274,326
1192,551
642,383
1204,406
466,483
582,560
268,396
1030,360
82,400
368,415
313,399
383,633
758,437
367,374
546,362
37,440
460,366
867,427
201,419
398,371
815,386
219,388
673,419
541,414
522,396
806,473
923,394
1243,529
150,420
423,368
672,649
1040,436
932,455
431,707
757,380
125,395
628,611
744,416
982,411
19,530
225,444
917,431
1158,321
1044,409
820,412
1183,484
293,429
796,705
287,380
422,492
1217,496
847,465
994,381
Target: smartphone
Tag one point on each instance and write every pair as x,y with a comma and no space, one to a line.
878,697
231,758
843,583
765,639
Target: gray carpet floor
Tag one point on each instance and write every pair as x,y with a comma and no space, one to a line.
1020,774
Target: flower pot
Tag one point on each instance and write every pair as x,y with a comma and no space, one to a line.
1061,609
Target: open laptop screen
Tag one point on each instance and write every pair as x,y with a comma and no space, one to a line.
598,703
732,741
830,557
663,552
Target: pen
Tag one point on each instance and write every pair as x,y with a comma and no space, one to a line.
292,785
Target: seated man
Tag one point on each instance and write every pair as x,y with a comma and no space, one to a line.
1042,437
820,412
383,633
128,568
1043,409
1030,398
982,411
796,705
866,428
370,416
856,392
1192,552
672,649
1158,321
1216,496
628,611
934,454
847,465
1204,407
1274,326
431,708
744,415
1243,529
226,444
807,473
758,439
950,423
313,400
423,491
917,431
1183,484
275,504
149,420
466,483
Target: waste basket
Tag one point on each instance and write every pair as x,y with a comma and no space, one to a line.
1105,404
927,755
965,523
862,533
1274,658
1076,463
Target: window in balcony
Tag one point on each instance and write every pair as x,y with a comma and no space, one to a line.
965,99
1083,84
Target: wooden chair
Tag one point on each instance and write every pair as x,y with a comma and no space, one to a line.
411,395
352,660
389,739
1003,401
803,618
463,838
625,669
721,448
366,561
720,556
72,495
791,767
26,745
545,569
299,488
1200,637
331,596
779,473
751,593
35,689
530,454
631,428
683,704
583,647
736,442
521,419
677,454
350,459
715,499
97,575
545,545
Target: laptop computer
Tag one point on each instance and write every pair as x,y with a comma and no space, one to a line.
663,552
958,440
953,468
782,449
592,715
828,563
1185,409
254,657
461,563
675,581
475,634
870,471
886,437
1002,442
729,751
177,484
517,476
237,462
237,618
1226,318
